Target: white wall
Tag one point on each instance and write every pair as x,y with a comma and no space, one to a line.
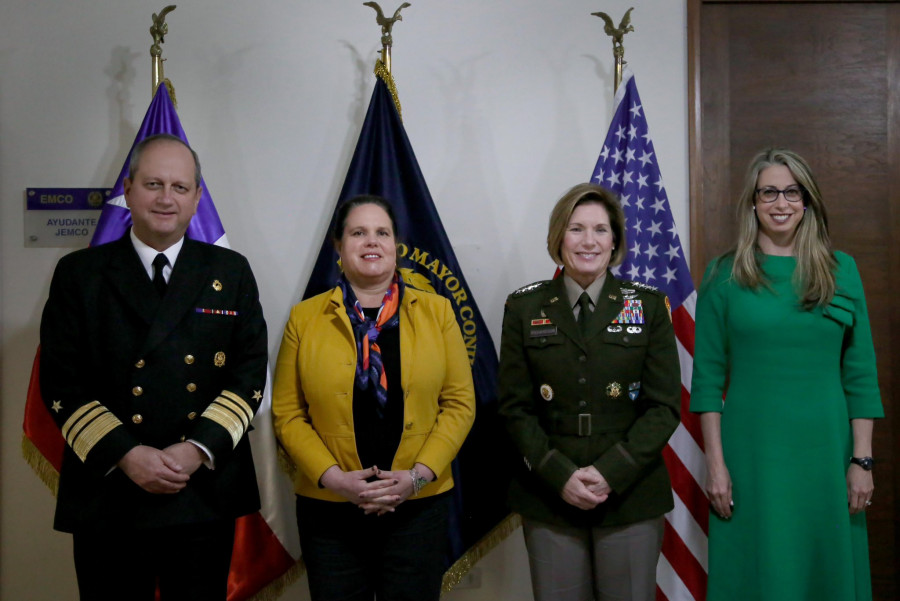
506,104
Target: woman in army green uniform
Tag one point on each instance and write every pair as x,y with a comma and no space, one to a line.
589,391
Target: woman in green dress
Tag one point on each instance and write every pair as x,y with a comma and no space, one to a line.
783,335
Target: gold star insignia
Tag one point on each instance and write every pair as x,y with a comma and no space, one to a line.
257,395
57,405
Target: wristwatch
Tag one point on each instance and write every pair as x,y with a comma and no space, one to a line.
864,462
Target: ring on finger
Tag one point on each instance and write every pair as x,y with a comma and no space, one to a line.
868,503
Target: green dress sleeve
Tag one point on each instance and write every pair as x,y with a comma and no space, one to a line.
859,375
711,339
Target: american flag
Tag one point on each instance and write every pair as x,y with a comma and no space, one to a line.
628,166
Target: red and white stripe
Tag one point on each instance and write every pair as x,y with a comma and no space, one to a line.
682,568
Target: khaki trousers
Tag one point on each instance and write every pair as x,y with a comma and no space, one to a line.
593,564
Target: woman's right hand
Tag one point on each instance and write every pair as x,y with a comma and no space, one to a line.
718,481
718,487
350,484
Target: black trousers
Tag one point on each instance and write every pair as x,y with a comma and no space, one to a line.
350,556
188,562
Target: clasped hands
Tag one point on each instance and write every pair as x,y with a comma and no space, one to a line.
586,488
162,471
380,496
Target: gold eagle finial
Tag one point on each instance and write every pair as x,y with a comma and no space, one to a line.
386,24
617,33
159,29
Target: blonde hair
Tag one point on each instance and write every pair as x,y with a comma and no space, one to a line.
565,206
814,276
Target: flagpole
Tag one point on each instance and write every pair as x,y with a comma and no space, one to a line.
158,30
617,34
386,26
383,65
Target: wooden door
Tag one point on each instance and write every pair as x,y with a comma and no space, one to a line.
819,78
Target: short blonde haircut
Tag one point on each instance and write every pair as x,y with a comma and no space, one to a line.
565,206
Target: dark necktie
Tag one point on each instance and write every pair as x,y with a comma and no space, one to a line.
159,282
584,301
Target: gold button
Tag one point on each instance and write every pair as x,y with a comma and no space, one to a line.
191,387
192,415
140,363
189,359
409,425
182,439
137,391
137,418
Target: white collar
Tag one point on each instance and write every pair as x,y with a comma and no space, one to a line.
147,254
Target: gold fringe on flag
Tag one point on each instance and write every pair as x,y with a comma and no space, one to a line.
385,75
497,535
276,588
42,468
171,90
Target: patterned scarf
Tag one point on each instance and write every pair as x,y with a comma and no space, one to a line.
369,366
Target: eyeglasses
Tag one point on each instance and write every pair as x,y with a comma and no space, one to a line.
769,194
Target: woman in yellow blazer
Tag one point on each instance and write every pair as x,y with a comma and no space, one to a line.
373,397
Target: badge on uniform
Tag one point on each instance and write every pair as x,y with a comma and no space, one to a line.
217,285
614,329
613,390
634,389
205,311
632,312
546,392
541,327
628,293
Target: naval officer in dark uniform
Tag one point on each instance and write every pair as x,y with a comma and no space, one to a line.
153,362
590,392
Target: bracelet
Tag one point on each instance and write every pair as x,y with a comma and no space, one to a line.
418,482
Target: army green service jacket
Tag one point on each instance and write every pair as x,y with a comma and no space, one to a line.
608,398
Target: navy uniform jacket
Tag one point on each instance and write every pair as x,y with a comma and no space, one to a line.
609,398
120,367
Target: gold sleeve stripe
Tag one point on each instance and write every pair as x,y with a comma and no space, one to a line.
74,419
76,430
238,405
87,426
93,433
227,419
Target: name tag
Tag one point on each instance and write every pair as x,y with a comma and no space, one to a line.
542,332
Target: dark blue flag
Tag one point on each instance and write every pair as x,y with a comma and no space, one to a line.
384,165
